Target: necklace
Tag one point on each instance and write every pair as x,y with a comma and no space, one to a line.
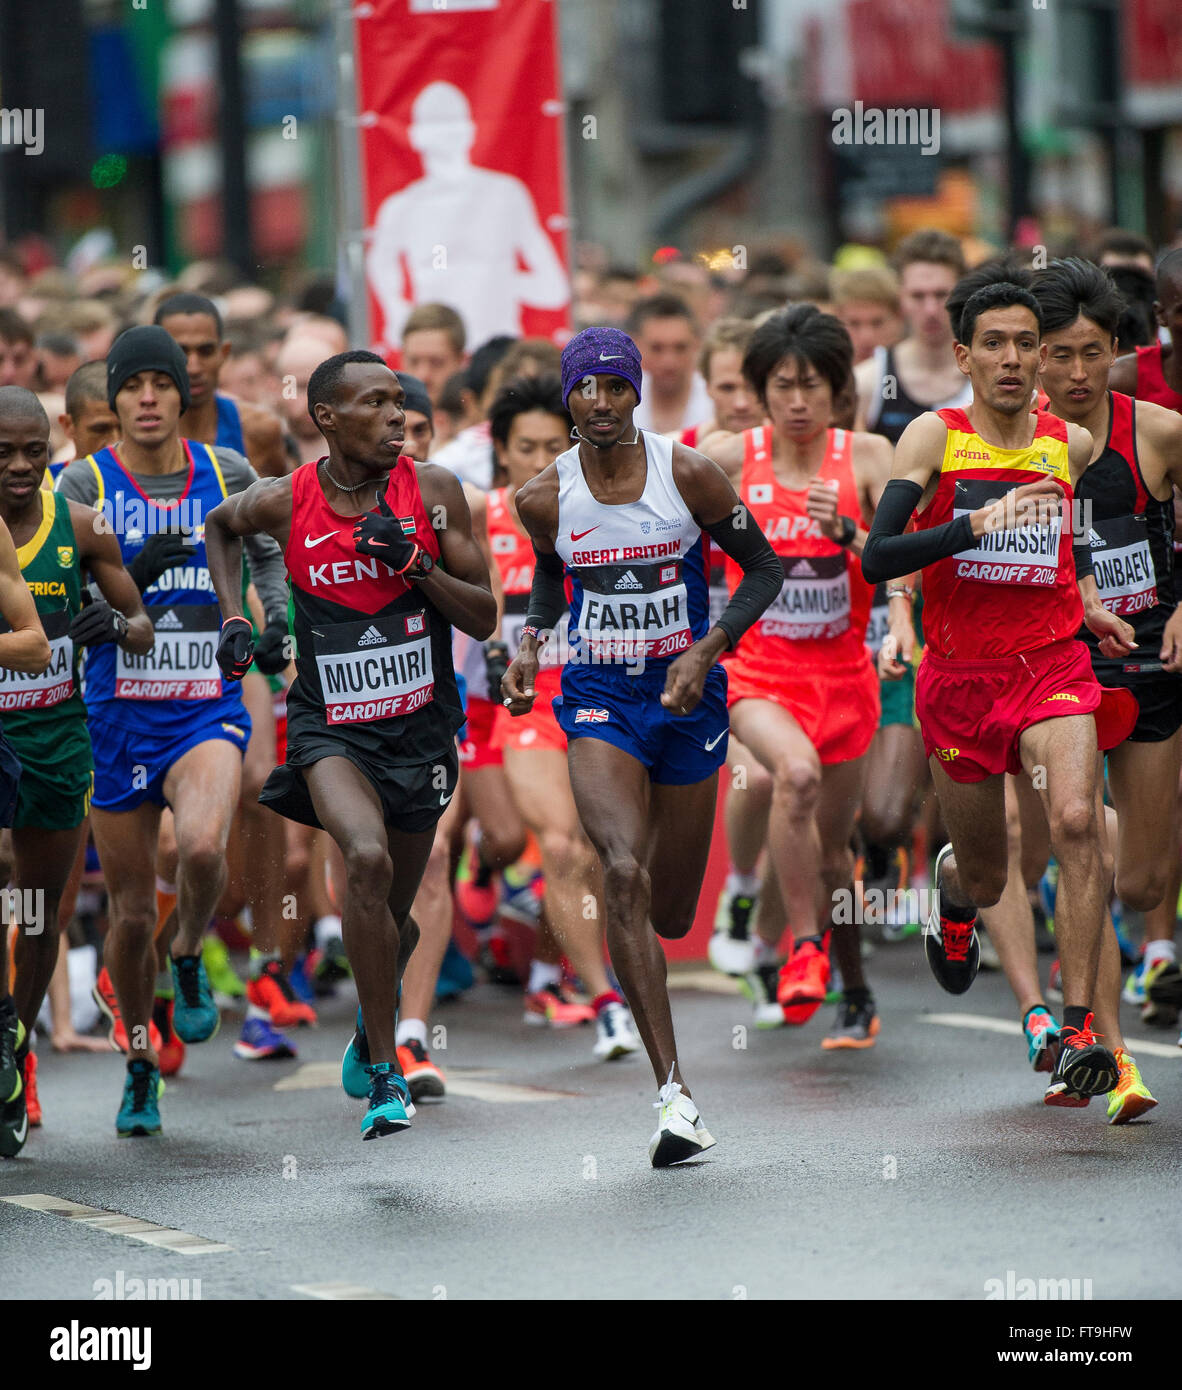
367,482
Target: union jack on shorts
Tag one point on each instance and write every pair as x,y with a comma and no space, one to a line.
591,716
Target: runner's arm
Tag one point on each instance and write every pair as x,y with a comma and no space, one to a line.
263,432
1122,375
725,519
99,552
267,570
261,510
459,586
26,647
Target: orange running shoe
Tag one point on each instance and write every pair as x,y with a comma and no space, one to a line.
103,994
548,1008
171,1049
422,1075
32,1100
271,990
804,981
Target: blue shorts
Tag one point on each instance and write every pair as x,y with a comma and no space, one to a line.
678,750
130,765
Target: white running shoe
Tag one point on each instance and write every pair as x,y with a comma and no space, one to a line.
615,1033
759,985
731,950
680,1132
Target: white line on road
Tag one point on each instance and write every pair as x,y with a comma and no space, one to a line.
117,1224
984,1023
316,1076
341,1290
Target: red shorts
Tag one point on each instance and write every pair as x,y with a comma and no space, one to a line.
836,706
476,750
972,713
536,730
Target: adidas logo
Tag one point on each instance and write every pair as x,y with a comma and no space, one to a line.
628,581
370,637
169,622
1094,540
802,570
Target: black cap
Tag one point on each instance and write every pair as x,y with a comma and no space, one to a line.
147,349
416,395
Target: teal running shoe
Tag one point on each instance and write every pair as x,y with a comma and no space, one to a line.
12,1037
389,1102
195,1016
140,1114
1043,1039
355,1063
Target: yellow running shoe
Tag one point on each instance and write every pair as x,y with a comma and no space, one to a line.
1131,1096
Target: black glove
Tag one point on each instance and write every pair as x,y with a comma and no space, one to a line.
162,551
98,623
270,654
496,663
382,538
235,648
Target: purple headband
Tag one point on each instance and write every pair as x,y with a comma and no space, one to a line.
599,352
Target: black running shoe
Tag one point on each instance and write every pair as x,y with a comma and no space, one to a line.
14,1126
12,1035
1084,1069
952,949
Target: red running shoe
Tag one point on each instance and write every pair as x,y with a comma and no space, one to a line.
103,994
32,1101
548,1007
171,1050
804,981
478,905
271,990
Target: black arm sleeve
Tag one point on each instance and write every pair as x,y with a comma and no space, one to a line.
888,553
763,575
547,597
1081,552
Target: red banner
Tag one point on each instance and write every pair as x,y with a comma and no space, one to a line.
463,162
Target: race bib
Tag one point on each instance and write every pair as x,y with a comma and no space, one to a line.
814,599
552,653
877,626
1123,564
1027,555
379,668
20,690
634,611
183,663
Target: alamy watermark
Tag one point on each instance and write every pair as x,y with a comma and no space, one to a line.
890,125
23,126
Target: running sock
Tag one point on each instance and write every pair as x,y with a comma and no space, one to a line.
165,903
1159,950
1075,1015
861,995
601,1001
326,929
259,960
543,976
817,941
742,885
411,1030
763,952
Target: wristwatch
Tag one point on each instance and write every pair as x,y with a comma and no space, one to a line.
120,621
849,530
421,568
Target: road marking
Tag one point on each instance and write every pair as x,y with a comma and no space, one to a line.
117,1224
983,1022
341,1290
707,981
318,1076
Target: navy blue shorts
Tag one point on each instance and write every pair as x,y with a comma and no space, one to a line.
130,765
677,750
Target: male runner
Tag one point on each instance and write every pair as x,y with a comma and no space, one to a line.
643,703
803,692
256,433
374,708
666,333
1004,685
1136,465
1155,373
88,421
44,717
165,729
736,406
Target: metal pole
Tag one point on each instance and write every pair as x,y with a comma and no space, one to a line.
1017,166
350,194
236,245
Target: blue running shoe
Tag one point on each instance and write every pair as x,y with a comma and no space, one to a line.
140,1114
455,973
260,1040
1043,1038
1134,990
355,1063
195,1016
389,1102
300,985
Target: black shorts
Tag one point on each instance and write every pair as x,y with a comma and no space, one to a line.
1158,694
413,795
10,781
